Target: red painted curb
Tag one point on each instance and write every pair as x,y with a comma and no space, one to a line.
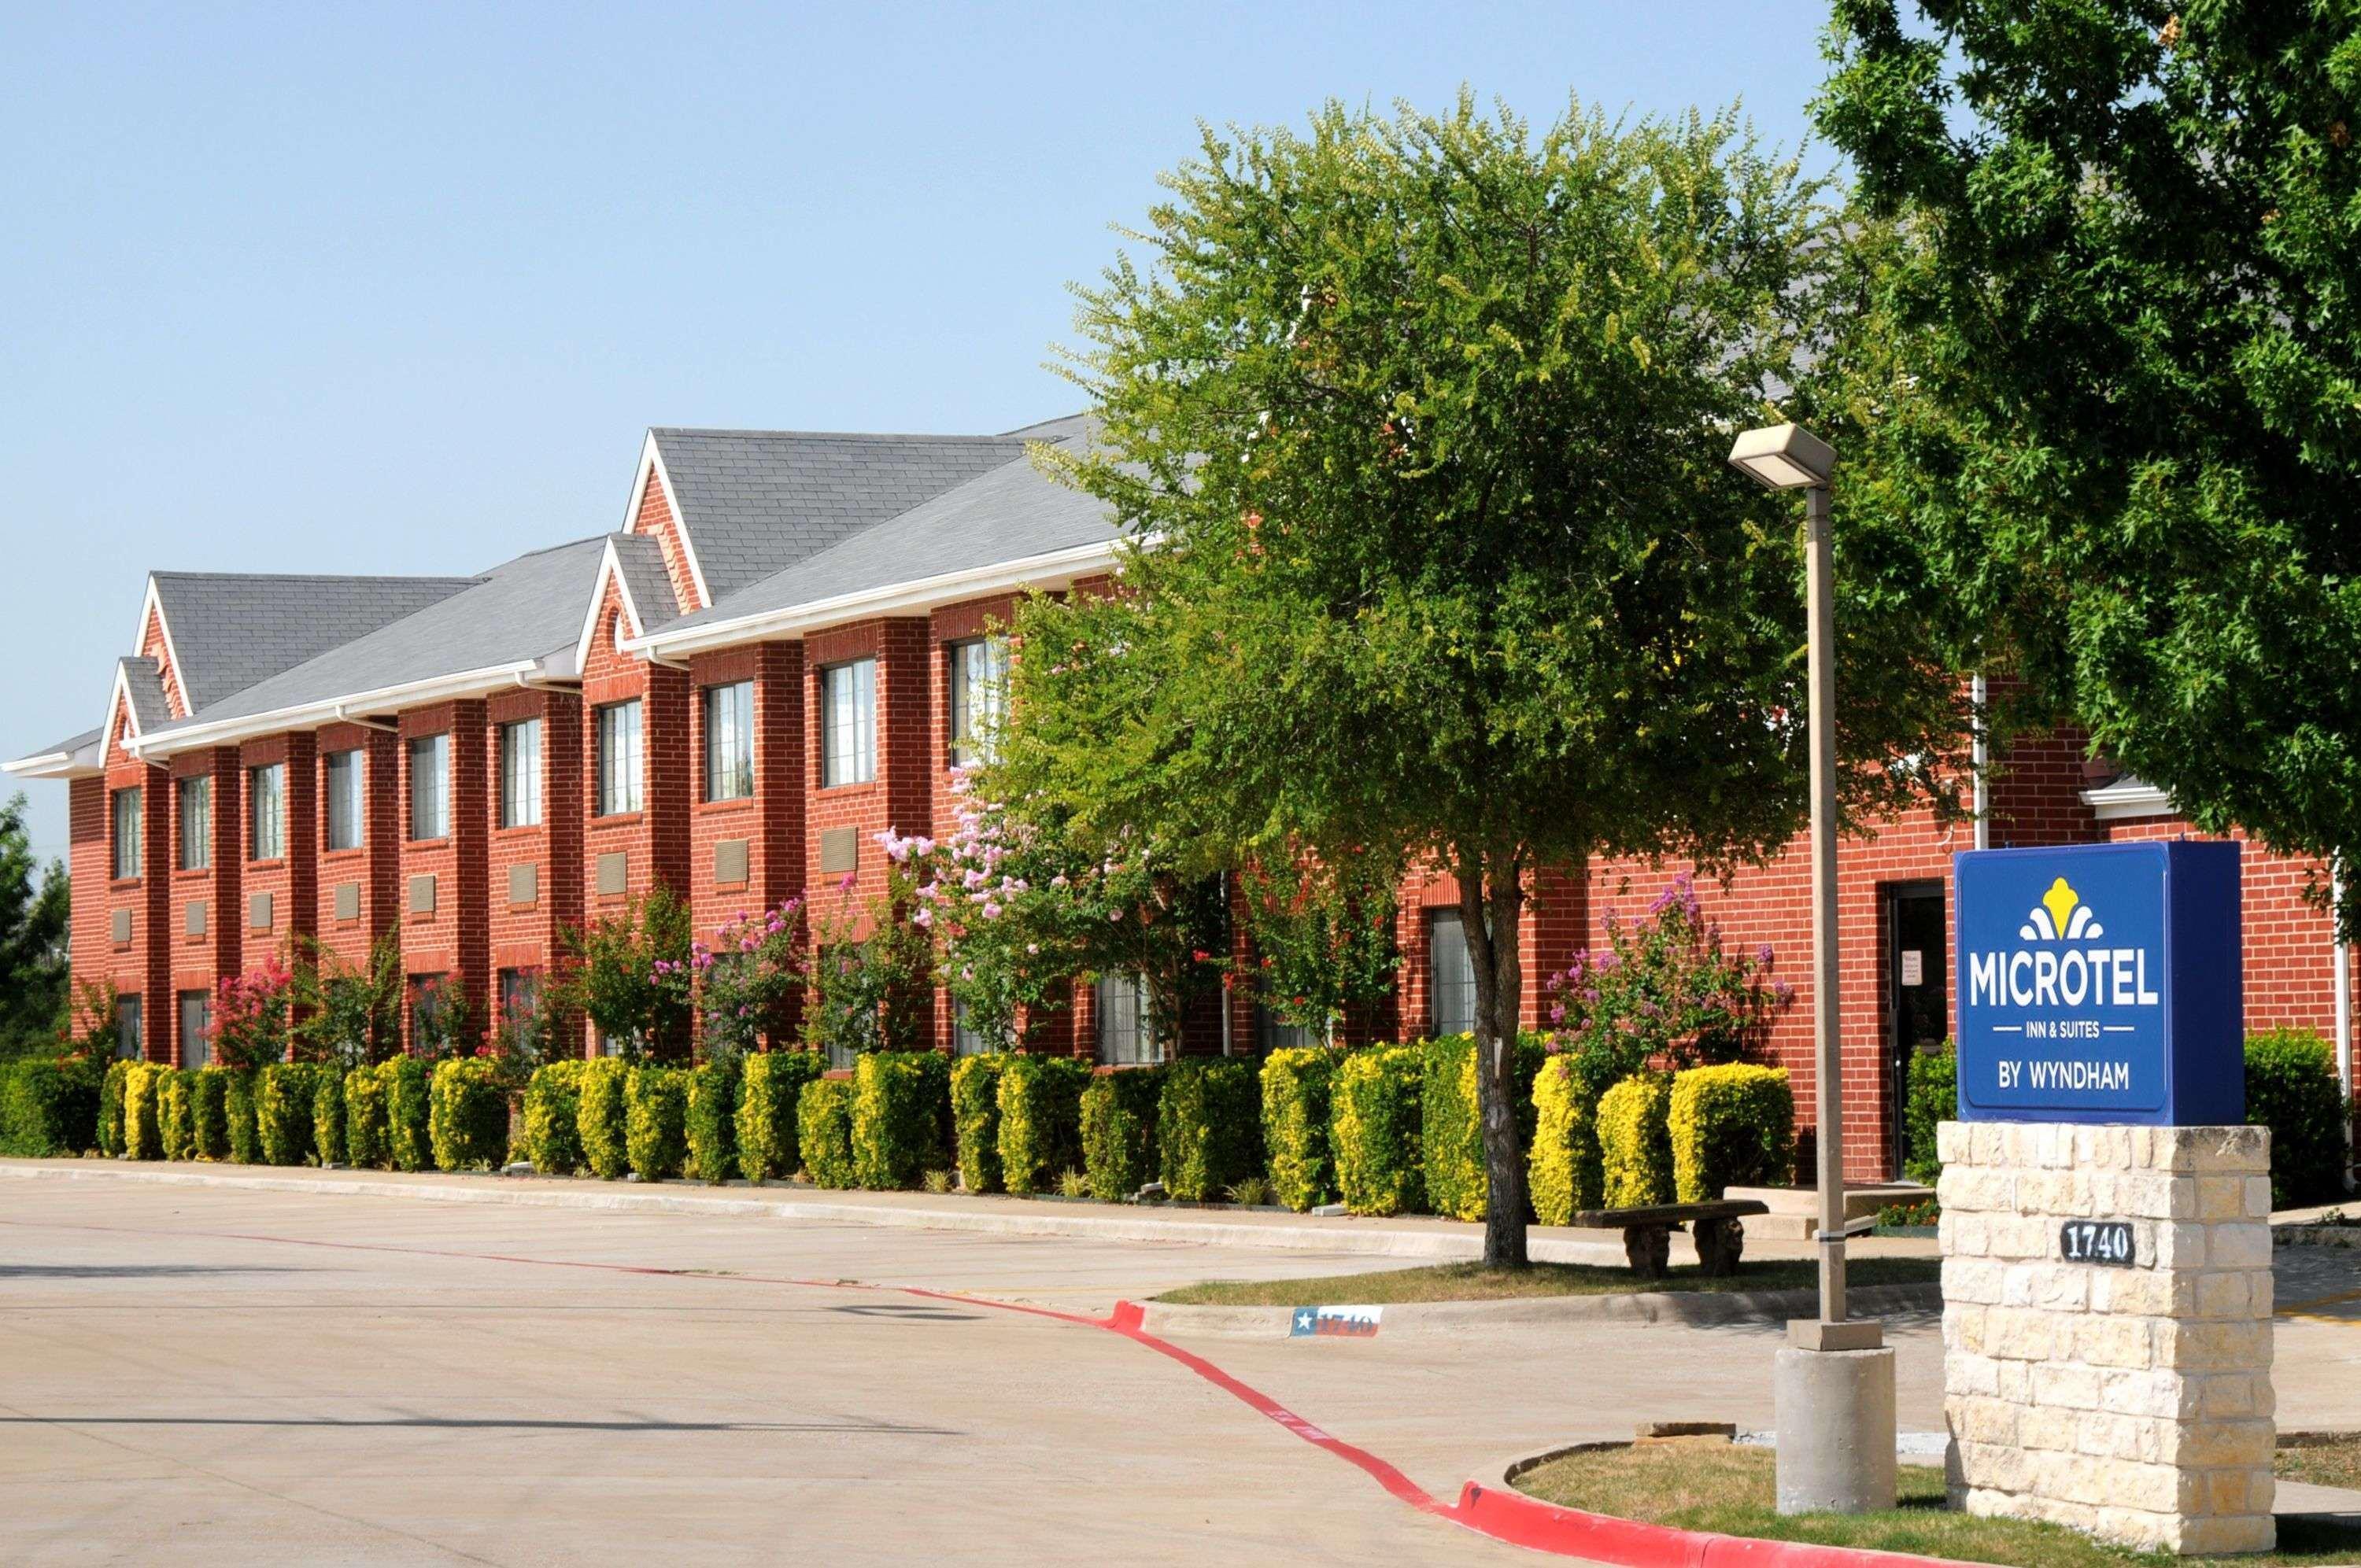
1503,1515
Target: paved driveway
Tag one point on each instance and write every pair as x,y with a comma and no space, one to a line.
194,1375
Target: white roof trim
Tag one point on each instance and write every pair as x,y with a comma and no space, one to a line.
2127,797
332,710
155,601
119,700
57,764
1055,569
652,462
610,569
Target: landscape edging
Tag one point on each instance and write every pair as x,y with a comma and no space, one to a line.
1694,1308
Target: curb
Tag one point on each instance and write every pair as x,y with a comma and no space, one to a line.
2347,1237
1455,1319
991,1216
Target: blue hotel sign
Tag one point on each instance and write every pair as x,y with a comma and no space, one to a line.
2101,983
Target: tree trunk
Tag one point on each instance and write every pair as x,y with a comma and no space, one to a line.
1491,911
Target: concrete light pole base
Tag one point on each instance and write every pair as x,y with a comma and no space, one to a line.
1836,1430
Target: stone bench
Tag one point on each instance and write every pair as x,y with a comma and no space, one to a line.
1647,1231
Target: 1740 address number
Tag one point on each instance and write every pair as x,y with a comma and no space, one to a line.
2105,1241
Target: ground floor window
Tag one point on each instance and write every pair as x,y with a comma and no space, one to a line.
520,993
1123,1021
196,1028
128,1044
965,1039
1271,1035
1450,977
428,1011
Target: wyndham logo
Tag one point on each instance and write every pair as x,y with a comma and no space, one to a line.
2061,916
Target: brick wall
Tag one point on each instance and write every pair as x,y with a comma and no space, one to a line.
199,962
453,939
525,933
374,869
141,966
292,878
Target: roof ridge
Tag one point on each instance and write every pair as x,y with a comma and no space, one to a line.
547,549
315,577
831,435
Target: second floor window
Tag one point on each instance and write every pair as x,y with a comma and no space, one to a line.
978,672
430,786
344,786
266,816
848,716
618,758
196,823
729,742
520,774
126,833
1451,978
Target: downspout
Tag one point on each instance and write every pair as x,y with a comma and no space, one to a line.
1980,758
2340,969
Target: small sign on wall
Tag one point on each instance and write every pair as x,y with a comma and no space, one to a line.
1914,967
2105,1241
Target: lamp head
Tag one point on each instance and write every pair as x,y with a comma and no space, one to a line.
1783,457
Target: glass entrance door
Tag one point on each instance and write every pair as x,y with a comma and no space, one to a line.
1917,991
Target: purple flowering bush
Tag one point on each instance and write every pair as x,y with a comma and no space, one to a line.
1665,992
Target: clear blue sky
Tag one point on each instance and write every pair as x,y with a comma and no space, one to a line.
397,289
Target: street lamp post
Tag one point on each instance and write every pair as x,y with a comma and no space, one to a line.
1835,1379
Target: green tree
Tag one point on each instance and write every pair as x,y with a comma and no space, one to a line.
1421,426
34,910
2122,393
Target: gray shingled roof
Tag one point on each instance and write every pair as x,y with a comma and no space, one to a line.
143,683
756,502
641,560
69,746
230,631
523,609
1010,513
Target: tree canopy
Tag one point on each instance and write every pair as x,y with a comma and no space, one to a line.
2124,412
34,912
1421,423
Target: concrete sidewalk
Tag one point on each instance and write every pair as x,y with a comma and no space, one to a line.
1412,1238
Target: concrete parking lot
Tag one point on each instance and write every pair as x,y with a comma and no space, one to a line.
198,1375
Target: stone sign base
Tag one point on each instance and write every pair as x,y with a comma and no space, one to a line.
2132,1402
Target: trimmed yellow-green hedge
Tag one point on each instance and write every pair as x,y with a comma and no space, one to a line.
768,1093
901,1114
1119,1116
208,1091
283,1096
49,1105
177,1111
553,1111
824,1129
368,1137
599,1117
113,1139
1208,1128
468,1115
1040,1121
1451,1126
1732,1125
1635,1143
409,1113
1296,1085
712,1127
1374,1126
1563,1171
975,1118
143,1112
238,1102
655,1120
328,1116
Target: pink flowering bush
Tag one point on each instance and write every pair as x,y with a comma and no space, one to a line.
1665,992
252,1014
747,977
870,976
628,972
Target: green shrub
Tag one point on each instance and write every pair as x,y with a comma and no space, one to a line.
768,1092
112,1138
712,1128
1296,1082
328,1115
824,1131
208,1090
975,1118
1563,1171
1376,1104
901,1117
1930,1095
1119,1112
244,1134
1732,1126
553,1109
409,1113
48,1106
368,1138
599,1117
1040,1121
176,1114
2291,1089
655,1120
467,1114
143,1112
283,1096
1208,1128
1635,1143
1451,1128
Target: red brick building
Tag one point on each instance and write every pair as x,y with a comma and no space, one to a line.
771,662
